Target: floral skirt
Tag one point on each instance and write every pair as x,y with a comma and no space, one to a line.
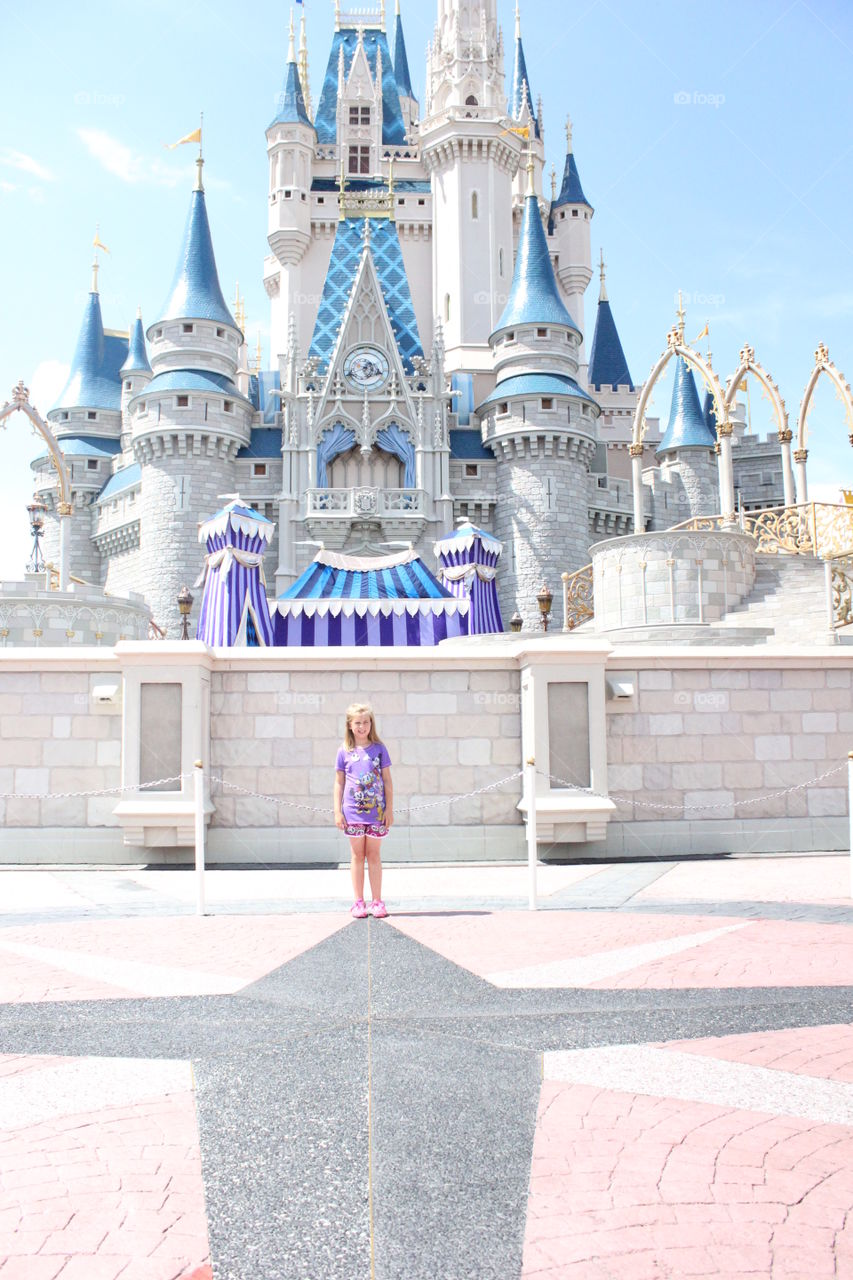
372,829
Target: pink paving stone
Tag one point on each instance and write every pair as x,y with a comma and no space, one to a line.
245,947
716,1212
825,1052
509,940
31,1268
108,1232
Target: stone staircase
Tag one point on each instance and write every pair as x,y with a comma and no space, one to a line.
787,604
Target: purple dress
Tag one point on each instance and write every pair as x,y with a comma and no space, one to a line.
363,801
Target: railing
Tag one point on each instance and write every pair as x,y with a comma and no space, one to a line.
362,502
578,605
839,591
820,529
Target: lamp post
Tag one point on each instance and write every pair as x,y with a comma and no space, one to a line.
545,599
516,622
185,604
37,511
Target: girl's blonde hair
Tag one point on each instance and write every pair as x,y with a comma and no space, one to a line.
353,712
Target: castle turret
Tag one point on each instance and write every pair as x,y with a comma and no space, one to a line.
86,421
523,113
607,364
408,101
291,139
190,420
569,223
135,373
540,425
686,451
472,159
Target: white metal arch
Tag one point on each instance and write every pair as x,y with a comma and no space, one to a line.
823,365
749,365
20,403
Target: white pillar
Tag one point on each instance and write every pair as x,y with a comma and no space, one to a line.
800,457
637,482
532,849
850,810
64,550
199,837
788,470
727,478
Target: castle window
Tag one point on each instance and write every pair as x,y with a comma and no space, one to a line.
259,469
503,408
92,464
547,402
128,385
359,160
422,203
63,417
541,333
220,333
91,415
562,215
142,408
183,402
475,206
187,328
510,337
472,470
321,199
359,116
471,101
288,194
228,406
447,306
574,213
158,333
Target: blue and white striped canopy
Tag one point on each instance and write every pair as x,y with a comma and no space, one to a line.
409,579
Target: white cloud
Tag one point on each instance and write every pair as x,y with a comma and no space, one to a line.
119,160
13,159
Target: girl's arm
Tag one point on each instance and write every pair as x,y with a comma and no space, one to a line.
389,796
337,797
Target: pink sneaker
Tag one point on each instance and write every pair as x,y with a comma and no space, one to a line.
358,909
378,909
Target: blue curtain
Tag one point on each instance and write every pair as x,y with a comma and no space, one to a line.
338,440
395,441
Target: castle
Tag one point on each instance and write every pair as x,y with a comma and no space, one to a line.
429,359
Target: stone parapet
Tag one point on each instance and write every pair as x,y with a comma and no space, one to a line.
673,578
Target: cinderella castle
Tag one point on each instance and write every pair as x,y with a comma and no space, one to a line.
430,360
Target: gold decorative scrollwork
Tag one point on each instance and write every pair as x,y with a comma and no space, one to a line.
842,591
578,598
811,529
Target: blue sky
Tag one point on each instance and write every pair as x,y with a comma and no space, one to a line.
713,141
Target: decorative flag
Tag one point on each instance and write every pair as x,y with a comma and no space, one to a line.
195,136
99,244
706,333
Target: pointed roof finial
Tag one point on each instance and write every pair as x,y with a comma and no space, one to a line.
382,15
199,185
291,48
682,314
531,184
365,232
569,134
602,297
553,182
337,15
517,21
304,78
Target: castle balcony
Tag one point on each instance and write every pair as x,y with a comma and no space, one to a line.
330,514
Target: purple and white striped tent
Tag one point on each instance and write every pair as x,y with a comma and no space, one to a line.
234,608
345,600
468,560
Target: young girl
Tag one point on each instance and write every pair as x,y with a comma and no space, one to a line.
364,803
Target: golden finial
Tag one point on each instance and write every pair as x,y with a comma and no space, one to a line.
291,48
569,134
553,182
199,185
239,310
682,314
531,185
259,356
602,297
517,21
304,77
337,15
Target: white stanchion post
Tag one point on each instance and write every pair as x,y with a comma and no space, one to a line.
850,811
199,837
532,850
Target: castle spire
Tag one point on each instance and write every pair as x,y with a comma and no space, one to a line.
137,355
291,103
304,78
401,60
195,293
534,297
571,191
607,364
687,427
521,95
89,385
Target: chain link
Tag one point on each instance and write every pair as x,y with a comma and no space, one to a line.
88,795
696,808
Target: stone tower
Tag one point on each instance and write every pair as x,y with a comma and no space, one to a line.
540,425
570,225
188,423
686,452
472,160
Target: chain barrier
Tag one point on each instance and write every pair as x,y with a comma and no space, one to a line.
697,808
432,804
88,795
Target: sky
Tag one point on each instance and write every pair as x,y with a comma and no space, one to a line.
713,141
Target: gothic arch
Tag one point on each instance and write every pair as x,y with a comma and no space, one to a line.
823,364
20,402
749,365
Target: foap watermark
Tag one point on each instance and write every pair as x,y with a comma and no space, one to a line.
95,98
702,699
697,299
503,699
696,99
294,699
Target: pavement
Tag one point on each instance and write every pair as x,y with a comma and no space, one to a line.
650,1077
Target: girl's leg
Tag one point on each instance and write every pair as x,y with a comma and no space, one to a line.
357,844
374,866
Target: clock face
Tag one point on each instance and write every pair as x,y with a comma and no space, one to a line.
366,368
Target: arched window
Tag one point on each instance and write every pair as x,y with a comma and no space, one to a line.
447,306
471,101
475,206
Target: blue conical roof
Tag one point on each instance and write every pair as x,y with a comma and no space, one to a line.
137,356
291,102
401,61
535,296
521,86
607,364
94,381
709,413
687,426
195,293
571,191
